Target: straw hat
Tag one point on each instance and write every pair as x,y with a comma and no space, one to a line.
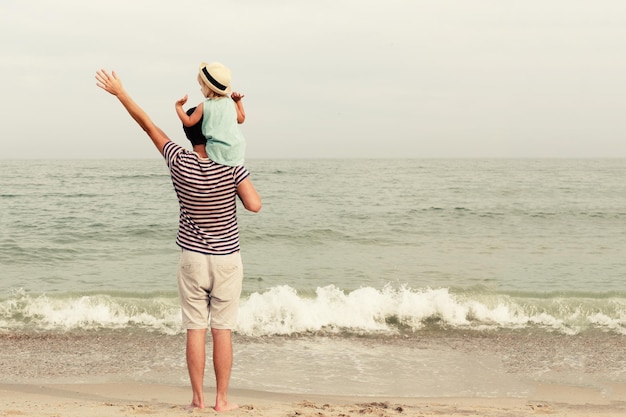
215,76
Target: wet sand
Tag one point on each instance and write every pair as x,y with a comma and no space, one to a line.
125,374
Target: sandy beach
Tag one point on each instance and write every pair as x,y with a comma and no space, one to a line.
124,374
99,400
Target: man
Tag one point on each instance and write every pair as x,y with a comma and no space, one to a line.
210,270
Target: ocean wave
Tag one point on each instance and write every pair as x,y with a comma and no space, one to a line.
22,312
367,311
281,310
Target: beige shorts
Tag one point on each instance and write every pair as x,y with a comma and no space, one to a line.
209,287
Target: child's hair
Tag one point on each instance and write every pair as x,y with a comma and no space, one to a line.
206,91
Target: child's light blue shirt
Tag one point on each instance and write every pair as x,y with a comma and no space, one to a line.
225,142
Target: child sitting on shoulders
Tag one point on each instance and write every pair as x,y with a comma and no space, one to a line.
220,116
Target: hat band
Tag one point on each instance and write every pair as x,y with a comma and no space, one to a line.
213,80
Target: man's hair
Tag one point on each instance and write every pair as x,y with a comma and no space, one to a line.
194,133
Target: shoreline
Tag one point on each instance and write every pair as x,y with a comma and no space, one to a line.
97,374
434,365
127,399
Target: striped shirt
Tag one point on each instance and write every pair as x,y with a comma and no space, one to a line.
206,194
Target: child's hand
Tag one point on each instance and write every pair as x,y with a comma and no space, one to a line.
236,96
182,101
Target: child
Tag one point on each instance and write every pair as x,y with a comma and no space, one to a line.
220,117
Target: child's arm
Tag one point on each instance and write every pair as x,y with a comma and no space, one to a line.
241,114
188,121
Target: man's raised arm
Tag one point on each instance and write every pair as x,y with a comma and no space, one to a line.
112,84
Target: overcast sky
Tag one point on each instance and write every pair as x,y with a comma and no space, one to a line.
358,78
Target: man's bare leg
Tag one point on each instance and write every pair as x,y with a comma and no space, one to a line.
222,363
196,339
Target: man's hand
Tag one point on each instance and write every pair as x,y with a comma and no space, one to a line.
109,83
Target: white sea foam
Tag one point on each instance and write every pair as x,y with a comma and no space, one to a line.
281,310
90,312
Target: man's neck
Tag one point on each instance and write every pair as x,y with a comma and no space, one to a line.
201,151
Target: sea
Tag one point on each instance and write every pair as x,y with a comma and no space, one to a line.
376,277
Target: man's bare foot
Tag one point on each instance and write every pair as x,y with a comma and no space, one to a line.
193,406
226,407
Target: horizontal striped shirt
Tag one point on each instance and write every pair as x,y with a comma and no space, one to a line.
206,194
